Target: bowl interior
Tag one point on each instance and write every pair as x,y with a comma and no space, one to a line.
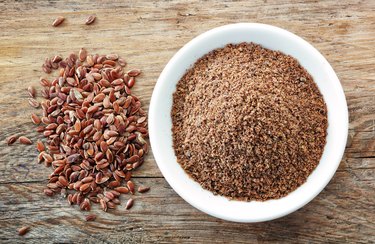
160,122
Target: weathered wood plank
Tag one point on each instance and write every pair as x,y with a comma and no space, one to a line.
147,34
160,215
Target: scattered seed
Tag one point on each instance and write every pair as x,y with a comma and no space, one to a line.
109,195
90,60
56,59
90,217
111,205
58,21
121,62
23,230
130,82
134,72
32,92
40,146
129,203
85,186
143,189
82,54
94,129
48,192
90,20
130,185
11,139
116,201
34,103
63,181
46,69
35,119
44,82
25,140
122,189
113,57
103,205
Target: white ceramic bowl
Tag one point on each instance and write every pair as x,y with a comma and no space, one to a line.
160,122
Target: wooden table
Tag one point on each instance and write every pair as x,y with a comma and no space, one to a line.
147,34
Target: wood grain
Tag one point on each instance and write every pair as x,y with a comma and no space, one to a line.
147,34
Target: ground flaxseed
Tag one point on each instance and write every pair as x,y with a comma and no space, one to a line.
248,123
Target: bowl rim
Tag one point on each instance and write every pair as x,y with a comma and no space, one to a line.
153,116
